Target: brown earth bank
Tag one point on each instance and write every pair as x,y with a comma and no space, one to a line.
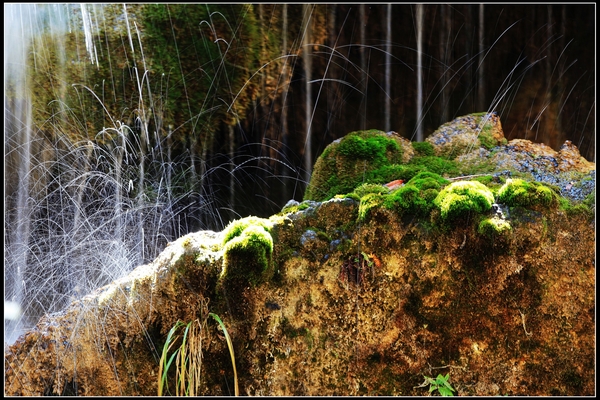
327,299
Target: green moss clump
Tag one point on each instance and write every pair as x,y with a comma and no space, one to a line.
460,199
486,139
390,173
578,208
518,192
492,227
369,202
237,227
248,246
428,180
367,147
295,208
437,165
367,188
417,195
487,180
404,200
423,148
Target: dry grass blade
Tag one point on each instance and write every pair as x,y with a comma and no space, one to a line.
230,345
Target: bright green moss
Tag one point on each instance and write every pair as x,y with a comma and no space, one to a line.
437,165
428,180
237,227
367,203
390,173
367,145
486,179
404,200
415,197
367,188
248,246
423,148
460,199
590,200
492,227
580,208
295,208
518,192
346,164
486,139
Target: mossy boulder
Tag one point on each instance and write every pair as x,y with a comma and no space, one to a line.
467,133
357,158
361,294
377,157
472,145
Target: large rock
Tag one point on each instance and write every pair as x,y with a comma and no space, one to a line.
473,144
360,295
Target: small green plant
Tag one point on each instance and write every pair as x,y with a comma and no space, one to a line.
440,384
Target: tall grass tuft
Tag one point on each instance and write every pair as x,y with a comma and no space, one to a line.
188,358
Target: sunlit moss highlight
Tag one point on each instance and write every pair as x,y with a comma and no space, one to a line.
460,199
369,202
518,192
491,227
247,247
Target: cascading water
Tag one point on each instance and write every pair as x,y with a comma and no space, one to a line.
77,212
419,23
17,119
388,67
307,62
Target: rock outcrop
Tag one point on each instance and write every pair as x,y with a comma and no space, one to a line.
462,269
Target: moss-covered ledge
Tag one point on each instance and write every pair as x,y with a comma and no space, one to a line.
486,274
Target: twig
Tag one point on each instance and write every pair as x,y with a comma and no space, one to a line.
449,366
524,328
465,177
464,242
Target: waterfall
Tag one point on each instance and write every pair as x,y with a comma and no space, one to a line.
445,35
480,72
17,143
419,10
284,114
388,68
87,30
363,65
69,225
307,63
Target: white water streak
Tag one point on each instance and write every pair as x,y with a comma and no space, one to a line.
388,68
419,128
87,29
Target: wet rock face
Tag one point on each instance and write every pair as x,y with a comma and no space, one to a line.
499,294
466,134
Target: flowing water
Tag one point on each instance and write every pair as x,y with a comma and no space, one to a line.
129,154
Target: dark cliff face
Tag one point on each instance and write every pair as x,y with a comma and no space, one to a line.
363,295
